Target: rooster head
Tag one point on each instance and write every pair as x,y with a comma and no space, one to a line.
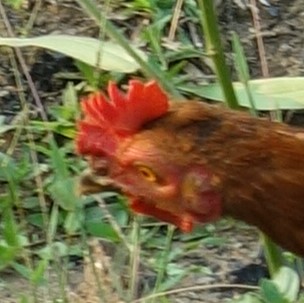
128,145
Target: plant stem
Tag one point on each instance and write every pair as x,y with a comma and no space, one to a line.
164,260
134,258
242,69
273,255
214,49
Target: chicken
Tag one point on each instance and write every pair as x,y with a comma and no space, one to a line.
188,162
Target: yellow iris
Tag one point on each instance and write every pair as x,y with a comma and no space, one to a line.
147,173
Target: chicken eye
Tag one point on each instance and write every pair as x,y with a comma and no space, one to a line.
147,173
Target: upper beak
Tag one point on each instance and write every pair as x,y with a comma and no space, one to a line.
90,183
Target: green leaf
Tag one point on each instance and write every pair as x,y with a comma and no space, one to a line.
36,219
268,94
94,213
288,283
175,275
64,128
247,298
240,59
284,288
104,54
37,276
54,250
14,171
24,299
271,293
30,202
7,255
58,161
102,230
73,221
23,270
63,193
301,299
70,100
10,230
53,223
16,4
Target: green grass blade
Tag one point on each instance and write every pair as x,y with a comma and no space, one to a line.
149,70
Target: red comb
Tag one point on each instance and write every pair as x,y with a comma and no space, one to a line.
106,121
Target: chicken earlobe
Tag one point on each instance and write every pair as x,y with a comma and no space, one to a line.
199,195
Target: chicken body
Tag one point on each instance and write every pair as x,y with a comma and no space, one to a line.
199,162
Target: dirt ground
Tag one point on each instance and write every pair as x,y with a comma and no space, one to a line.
282,29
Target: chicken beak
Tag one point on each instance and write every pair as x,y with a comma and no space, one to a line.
91,183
